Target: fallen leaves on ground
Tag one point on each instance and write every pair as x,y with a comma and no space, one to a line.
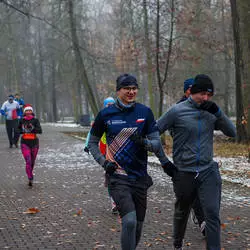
113,229
78,212
32,210
147,244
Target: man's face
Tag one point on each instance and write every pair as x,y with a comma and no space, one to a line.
11,100
16,96
108,104
127,94
201,97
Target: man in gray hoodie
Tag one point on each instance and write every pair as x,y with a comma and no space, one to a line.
194,172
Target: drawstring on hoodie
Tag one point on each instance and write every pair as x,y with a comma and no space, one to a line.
197,174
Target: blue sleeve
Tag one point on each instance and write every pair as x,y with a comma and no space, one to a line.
87,140
98,127
3,109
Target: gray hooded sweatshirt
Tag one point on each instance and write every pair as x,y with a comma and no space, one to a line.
193,130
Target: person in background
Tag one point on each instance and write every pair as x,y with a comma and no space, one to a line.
194,172
131,131
9,110
20,110
102,146
21,105
29,127
188,83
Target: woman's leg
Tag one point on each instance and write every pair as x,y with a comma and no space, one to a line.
34,152
26,151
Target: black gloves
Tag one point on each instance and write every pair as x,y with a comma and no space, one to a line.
110,167
86,149
209,106
138,139
170,169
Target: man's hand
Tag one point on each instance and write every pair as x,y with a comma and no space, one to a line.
86,149
110,167
209,106
139,140
170,169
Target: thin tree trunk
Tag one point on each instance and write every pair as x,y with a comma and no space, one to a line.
43,97
148,56
14,85
227,63
161,82
142,90
53,90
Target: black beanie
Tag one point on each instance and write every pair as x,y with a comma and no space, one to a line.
202,83
126,80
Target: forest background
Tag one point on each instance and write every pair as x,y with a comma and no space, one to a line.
64,56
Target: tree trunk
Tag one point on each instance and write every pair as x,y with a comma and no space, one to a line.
149,60
244,16
79,61
14,84
227,62
240,117
53,90
43,97
142,93
161,82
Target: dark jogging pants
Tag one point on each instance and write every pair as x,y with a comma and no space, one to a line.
130,196
11,128
207,186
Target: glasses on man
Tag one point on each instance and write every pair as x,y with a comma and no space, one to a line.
128,89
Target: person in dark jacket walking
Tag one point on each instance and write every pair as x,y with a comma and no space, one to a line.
29,127
194,172
131,131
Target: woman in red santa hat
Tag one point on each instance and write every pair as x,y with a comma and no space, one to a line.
29,127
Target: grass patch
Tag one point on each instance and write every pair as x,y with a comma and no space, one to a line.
79,134
223,147
230,149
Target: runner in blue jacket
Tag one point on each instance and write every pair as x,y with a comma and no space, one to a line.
131,131
194,172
